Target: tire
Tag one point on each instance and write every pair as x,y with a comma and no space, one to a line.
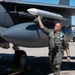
20,59
73,39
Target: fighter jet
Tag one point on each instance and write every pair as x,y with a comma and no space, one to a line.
19,26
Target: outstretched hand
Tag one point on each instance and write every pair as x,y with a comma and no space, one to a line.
37,17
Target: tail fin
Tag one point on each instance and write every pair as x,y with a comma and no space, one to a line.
64,2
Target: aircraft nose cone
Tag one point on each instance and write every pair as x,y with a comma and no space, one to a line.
4,34
7,35
15,33
21,34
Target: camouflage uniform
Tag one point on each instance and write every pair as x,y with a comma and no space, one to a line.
57,45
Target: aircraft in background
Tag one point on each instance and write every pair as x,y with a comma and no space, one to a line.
20,28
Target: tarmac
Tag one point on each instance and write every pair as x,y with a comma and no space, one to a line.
38,63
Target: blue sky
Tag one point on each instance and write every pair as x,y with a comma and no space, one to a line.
72,3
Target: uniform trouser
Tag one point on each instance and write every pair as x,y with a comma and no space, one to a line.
55,61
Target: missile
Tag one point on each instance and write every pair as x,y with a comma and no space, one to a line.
43,13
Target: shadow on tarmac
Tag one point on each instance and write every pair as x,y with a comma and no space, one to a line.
41,66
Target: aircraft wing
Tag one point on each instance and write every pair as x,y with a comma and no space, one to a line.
24,5
51,7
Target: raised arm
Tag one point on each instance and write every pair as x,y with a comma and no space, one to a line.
43,28
40,22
